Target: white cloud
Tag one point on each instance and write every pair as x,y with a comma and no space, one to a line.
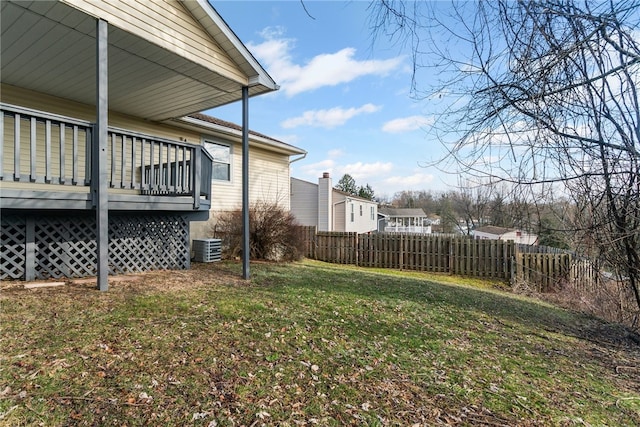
386,185
361,171
335,153
315,170
376,174
273,32
406,124
327,69
416,181
328,118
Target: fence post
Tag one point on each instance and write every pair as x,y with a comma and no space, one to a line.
510,261
401,256
451,255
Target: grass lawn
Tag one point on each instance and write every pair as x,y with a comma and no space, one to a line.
307,344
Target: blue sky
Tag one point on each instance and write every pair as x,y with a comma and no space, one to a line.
343,98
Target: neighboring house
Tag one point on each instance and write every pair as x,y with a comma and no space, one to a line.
500,233
403,220
328,209
434,219
105,161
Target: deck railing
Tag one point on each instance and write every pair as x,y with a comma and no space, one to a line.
407,229
39,147
43,148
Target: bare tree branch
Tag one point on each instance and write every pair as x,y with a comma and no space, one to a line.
543,93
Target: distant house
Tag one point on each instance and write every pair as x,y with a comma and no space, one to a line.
501,233
406,220
328,209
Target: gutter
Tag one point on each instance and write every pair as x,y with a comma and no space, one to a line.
299,158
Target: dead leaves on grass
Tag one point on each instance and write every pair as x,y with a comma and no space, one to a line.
241,365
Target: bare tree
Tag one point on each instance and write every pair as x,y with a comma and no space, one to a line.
549,96
471,203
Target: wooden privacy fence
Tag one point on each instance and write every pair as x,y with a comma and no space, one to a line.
337,247
422,252
451,254
542,271
481,258
547,272
417,252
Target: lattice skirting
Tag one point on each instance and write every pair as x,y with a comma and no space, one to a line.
55,246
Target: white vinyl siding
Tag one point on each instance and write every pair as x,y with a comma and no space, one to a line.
339,215
268,180
41,161
165,23
360,223
40,101
304,202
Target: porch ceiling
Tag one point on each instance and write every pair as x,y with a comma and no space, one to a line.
50,47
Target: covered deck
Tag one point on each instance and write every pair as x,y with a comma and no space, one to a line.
47,165
80,194
403,220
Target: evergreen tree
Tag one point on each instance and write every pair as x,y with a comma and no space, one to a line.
347,184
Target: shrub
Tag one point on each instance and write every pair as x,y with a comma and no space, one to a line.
274,233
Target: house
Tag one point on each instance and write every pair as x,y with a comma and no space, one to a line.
403,220
328,209
269,167
105,159
501,233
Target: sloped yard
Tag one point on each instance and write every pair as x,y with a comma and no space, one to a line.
307,344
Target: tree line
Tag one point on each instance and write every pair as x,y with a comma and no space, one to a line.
467,208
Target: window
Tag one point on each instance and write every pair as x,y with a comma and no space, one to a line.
353,218
372,214
221,167
360,210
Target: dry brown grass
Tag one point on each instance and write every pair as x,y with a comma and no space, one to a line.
306,344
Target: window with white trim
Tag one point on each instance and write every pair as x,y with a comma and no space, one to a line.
221,167
372,214
352,214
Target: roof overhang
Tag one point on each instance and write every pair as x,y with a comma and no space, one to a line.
50,47
227,39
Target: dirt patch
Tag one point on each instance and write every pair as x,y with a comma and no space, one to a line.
200,274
